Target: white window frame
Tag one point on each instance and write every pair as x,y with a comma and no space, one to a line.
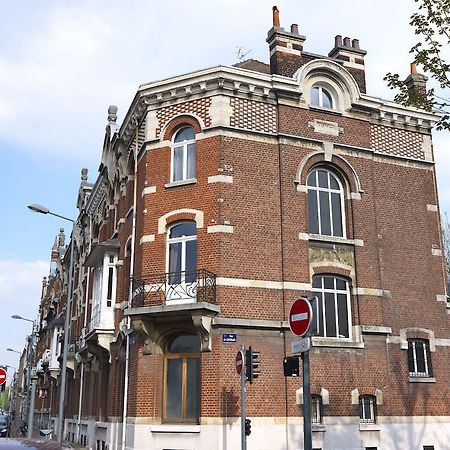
102,306
183,240
184,145
316,409
329,191
372,402
426,352
322,88
321,306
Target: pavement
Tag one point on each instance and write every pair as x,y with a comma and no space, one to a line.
37,441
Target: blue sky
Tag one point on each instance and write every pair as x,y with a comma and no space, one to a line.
62,63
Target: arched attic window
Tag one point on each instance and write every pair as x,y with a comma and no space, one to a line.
326,213
322,97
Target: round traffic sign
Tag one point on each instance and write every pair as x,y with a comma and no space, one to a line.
2,376
300,316
239,362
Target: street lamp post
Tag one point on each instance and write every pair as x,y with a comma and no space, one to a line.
31,378
21,402
43,210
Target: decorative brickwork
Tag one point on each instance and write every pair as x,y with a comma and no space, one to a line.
197,107
252,115
396,142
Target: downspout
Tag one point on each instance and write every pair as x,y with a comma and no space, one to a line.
86,300
130,294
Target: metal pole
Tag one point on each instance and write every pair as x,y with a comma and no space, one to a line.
307,438
62,393
31,410
243,403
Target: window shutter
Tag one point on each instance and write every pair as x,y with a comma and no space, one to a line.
430,367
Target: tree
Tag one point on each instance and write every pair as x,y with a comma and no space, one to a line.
431,24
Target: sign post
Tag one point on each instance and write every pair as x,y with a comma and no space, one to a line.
240,370
300,318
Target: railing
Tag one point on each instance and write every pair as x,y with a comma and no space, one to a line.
175,287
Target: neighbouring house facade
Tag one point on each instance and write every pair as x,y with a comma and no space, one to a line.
224,195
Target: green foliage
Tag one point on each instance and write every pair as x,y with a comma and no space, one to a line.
431,25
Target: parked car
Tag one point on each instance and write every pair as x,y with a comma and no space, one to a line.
4,426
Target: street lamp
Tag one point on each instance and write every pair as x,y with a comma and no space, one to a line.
43,210
31,378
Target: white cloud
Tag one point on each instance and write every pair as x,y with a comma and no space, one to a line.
20,293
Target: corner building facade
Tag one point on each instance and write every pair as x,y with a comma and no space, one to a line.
226,194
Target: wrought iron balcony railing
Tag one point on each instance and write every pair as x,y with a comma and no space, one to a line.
176,287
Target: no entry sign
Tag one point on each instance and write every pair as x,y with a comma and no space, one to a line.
2,376
239,362
300,316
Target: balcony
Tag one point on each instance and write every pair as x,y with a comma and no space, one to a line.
175,288
182,299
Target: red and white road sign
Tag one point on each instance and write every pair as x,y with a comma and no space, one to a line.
300,316
2,376
239,362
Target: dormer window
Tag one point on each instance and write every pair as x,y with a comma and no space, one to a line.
322,97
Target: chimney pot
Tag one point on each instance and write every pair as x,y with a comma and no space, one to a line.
294,28
346,42
276,17
413,68
338,41
355,43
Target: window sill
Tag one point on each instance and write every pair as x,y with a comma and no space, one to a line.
181,183
334,239
422,380
175,428
318,427
369,427
326,110
335,342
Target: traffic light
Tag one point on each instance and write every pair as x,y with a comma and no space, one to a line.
251,364
248,427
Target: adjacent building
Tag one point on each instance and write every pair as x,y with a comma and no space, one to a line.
223,196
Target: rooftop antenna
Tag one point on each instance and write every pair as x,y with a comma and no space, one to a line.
241,54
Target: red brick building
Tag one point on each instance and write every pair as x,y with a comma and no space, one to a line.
226,194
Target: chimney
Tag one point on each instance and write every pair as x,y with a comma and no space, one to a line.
417,88
285,47
348,52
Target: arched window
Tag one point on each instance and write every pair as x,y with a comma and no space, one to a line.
322,97
183,155
325,203
181,399
182,260
367,408
333,309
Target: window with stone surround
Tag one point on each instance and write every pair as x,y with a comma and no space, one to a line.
181,397
333,318
183,155
419,358
322,97
325,203
367,408
316,409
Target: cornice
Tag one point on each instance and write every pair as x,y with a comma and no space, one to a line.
236,81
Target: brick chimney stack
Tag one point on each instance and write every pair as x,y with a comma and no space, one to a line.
352,57
285,47
417,88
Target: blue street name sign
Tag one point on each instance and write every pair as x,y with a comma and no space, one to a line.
229,337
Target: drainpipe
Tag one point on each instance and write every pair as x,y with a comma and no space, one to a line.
130,295
86,301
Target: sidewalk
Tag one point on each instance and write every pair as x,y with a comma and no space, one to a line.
38,441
